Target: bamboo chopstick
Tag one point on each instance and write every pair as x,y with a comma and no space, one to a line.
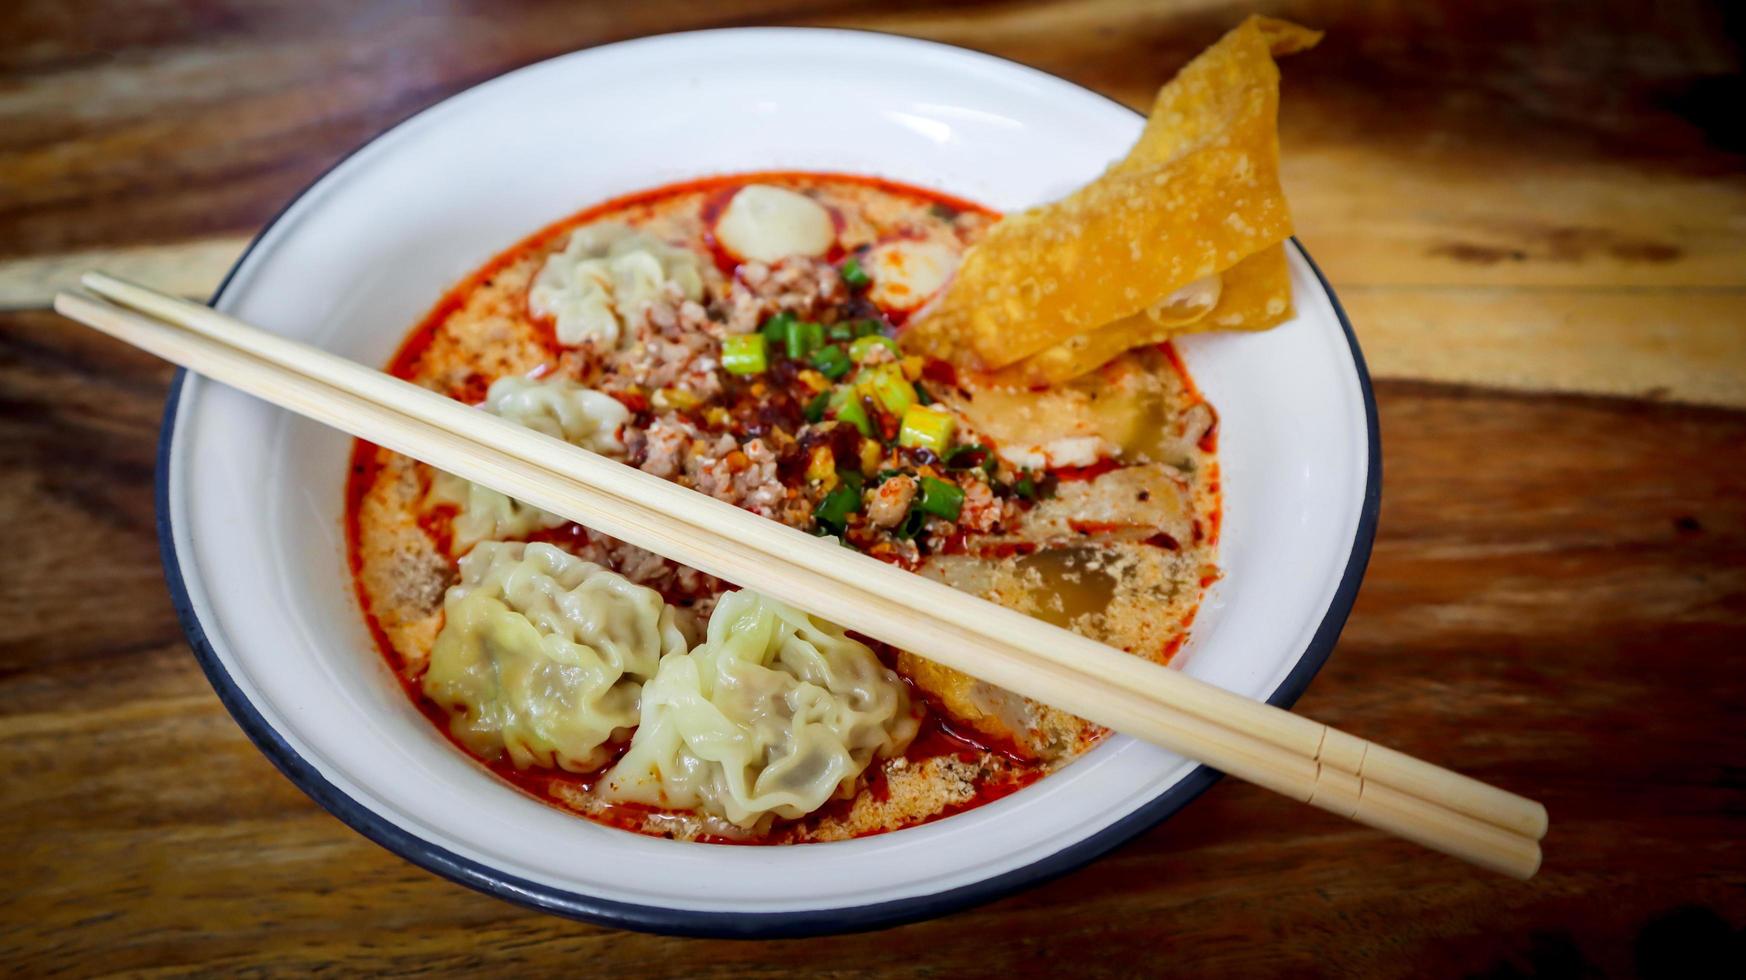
1300,735
1181,692
562,479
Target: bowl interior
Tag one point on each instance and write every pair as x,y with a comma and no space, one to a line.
254,497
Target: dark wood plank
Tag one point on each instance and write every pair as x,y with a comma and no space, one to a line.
127,125
1558,603
1489,186
1535,195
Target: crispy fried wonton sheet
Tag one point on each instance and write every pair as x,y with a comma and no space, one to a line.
1254,294
1197,196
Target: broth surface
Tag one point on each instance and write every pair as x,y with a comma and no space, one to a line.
1115,538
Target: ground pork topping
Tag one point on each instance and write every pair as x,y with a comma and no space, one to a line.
982,511
677,583
739,474
671,314
662,447
808,288
888,503
674,351
745,474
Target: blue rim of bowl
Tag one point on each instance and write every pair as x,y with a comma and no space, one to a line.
742,925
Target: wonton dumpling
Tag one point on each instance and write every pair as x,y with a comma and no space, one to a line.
482,513
772,716
606,273
560,408
764,223
542,655
557,407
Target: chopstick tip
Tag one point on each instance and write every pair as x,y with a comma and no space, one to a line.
65,303
1540,822
1527,871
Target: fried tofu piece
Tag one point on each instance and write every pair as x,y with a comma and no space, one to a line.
1147,499
1109,590
1135,408
1011,722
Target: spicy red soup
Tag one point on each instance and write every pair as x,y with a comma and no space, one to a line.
740,336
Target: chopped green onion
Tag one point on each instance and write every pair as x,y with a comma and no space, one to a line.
922,397
867,328
852,479
911,526
776,327
890,389
815,409
987,462
834,510
928,428
854,412
832,362
745,354
804,337
838,332
952,457
940,498
862,348
1026,487
854,275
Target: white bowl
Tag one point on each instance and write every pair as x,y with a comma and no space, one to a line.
250,498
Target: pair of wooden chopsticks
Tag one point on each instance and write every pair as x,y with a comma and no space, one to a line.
1270,747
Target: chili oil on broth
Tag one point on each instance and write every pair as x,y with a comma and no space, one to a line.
1119,547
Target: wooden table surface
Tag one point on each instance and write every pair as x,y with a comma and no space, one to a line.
1536,217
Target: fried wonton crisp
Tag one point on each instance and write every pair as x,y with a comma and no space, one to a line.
1254,294
1198,194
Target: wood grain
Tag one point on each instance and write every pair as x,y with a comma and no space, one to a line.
1557,614
1429,150
1545,198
